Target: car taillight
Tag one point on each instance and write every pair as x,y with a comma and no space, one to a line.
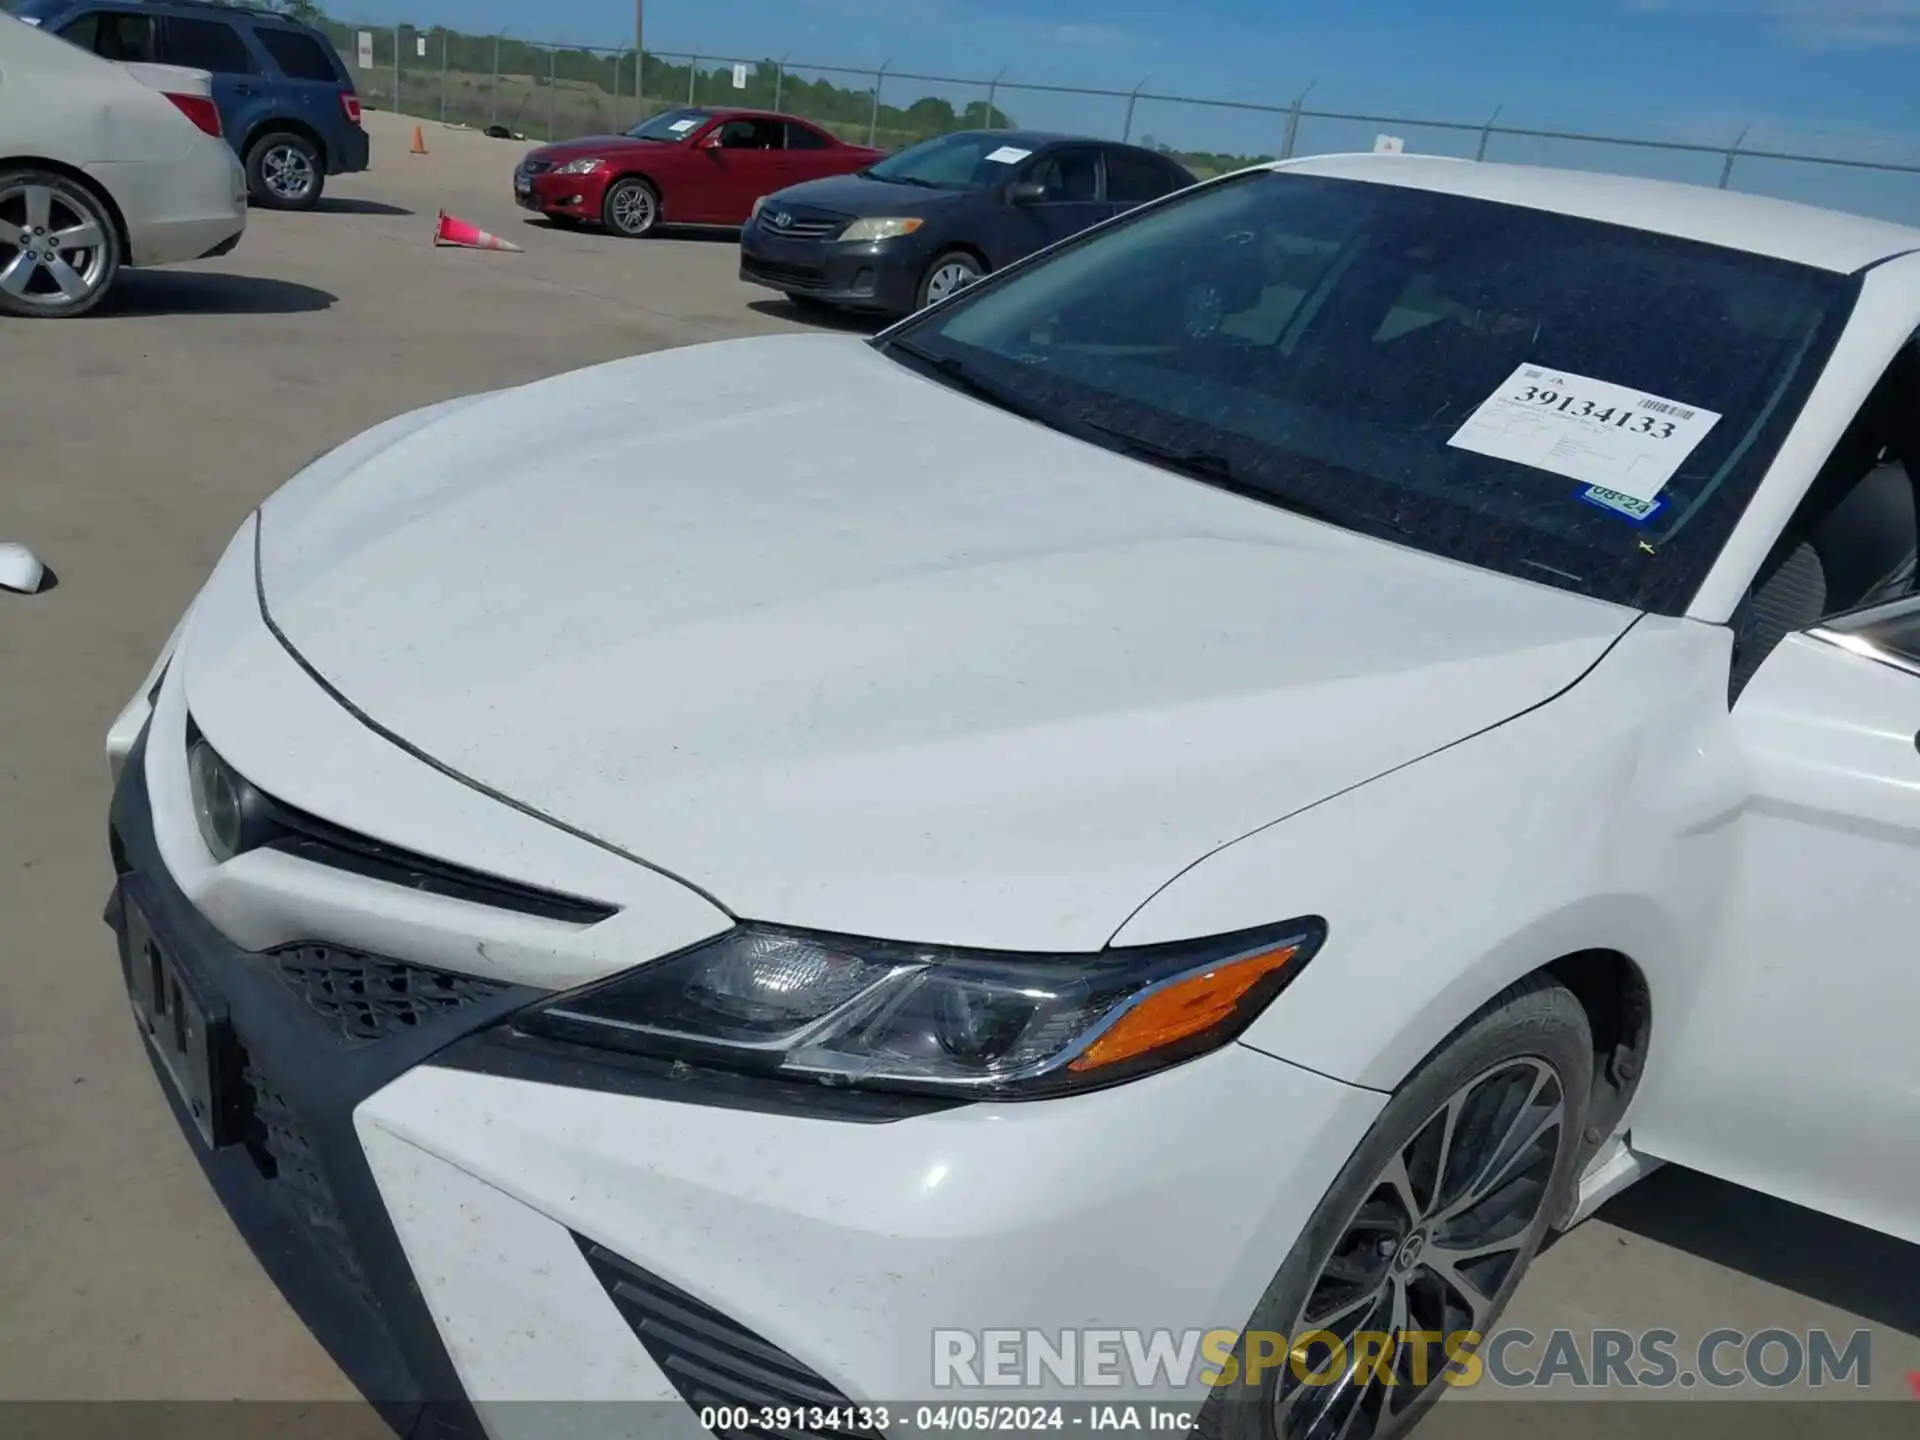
350,103
200,110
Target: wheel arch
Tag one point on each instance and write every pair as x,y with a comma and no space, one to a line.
94,187
288,124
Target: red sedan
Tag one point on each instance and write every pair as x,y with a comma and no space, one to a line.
682,167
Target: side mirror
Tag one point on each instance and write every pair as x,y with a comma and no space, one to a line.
712,142
23,571
1026,192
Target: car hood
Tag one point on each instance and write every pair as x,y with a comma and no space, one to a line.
847,649
858,196
586,145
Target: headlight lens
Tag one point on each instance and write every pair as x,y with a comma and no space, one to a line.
579,167
881,229
874,1013
232,815
758,205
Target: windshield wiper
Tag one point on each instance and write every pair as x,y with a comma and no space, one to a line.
962,377
1210,467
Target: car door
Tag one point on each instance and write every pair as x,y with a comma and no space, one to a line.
308,80
746,159
1797,1069
1072,180
240,91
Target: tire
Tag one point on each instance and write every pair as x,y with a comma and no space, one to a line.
950,272
285,172
59,245
631,208
1534,1040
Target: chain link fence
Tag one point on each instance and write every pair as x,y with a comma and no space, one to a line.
545,91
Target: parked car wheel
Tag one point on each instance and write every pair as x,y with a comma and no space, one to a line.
285,172
632,208
1428,1228
59,248
949,274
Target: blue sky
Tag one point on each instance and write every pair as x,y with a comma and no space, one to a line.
1838,76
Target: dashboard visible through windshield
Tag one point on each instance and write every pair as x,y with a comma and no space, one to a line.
1571,402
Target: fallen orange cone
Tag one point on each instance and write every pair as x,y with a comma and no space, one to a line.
419,142
449,231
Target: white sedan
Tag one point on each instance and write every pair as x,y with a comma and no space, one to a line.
104,165
1229,777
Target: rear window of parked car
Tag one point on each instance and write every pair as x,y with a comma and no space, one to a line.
1133,176
211,45
300,57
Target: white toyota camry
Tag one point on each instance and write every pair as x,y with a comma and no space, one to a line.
1227,778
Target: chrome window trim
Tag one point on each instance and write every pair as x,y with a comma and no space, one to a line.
1855,633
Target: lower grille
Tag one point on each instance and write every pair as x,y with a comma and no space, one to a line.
792,277
363,998
281,1142
710,1359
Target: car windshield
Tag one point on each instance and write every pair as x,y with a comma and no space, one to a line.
671,126
953,162
1576,403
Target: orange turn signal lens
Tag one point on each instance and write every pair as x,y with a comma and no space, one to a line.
1185,1008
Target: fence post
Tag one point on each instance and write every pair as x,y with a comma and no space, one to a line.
993,88
639,84
495,94
1126,132
1733,154
779,79
619,59
443,74
1293,123
396,69
693,73
553,85
1486,130
873,116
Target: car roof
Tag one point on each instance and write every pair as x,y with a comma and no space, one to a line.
1783,229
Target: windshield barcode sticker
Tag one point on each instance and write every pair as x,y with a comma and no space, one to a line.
1009,155
1667,407
1617,439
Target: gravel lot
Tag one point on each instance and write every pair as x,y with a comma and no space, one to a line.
136,442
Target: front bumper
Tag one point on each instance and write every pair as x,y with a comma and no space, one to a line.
883,277
578,196
465,1221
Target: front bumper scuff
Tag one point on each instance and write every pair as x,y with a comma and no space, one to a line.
317,1223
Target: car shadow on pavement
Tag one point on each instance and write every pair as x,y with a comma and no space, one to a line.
1821,1258
352,205
820,317
201,292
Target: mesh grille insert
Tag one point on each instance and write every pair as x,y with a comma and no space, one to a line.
363,998
710,1359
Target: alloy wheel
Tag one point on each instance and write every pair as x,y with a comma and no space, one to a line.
288,172
1430,1249
632,207
56,253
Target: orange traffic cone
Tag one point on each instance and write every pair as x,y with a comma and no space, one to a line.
419,142
449,231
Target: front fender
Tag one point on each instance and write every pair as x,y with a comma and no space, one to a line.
1603,819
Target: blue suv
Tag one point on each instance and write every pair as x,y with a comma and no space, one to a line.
287,104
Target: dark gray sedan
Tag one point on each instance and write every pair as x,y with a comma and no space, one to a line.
934,218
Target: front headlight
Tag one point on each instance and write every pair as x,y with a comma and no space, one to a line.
758,205
881,229
233,816
579,167
845,1011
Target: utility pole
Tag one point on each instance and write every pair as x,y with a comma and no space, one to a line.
640,58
